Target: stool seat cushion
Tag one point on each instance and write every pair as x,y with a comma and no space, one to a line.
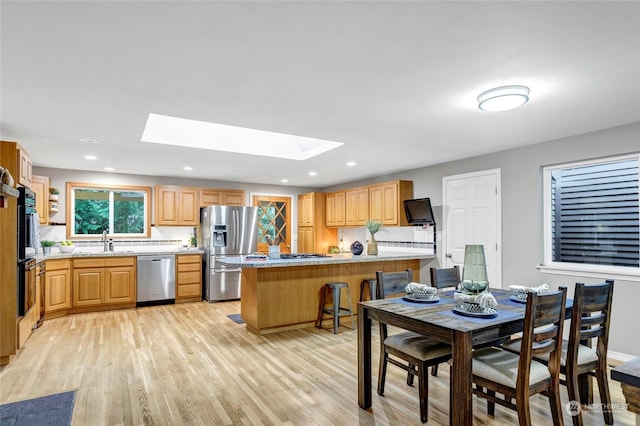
501,367
417,345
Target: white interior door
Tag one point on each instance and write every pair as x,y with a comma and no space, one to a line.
471,213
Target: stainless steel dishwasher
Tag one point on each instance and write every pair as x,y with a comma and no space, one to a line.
156,280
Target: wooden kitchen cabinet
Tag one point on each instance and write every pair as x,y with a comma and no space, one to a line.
335,209
177,206
188,278
24,168
306,207
57,296
313,234
357,206
386,202
40,185
221,197
104,281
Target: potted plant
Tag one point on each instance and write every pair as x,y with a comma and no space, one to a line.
46,246
53,194
373,226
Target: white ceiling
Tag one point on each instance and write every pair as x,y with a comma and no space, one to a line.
395,81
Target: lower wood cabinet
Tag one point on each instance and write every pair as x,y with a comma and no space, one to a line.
188,278
57,296
104,281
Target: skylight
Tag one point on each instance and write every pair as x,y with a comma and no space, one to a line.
163,129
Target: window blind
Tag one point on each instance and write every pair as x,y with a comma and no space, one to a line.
595,214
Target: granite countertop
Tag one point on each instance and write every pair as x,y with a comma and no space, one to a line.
240,262
119,251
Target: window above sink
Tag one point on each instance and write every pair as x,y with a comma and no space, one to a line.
121,210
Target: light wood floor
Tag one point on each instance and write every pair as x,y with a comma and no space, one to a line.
190,364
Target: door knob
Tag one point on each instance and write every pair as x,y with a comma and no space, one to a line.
449,255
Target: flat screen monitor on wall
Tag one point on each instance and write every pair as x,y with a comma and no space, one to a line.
419,212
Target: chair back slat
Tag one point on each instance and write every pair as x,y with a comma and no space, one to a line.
392,283
590,318
595,320
445,277
542,333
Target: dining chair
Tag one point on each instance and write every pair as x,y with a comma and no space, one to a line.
417,351
519,376
590,317
444,278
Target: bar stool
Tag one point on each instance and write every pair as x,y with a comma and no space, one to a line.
335,310
370,283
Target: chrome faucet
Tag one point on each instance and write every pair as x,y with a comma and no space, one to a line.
105,243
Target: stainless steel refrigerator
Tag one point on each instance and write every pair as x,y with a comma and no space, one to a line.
226,231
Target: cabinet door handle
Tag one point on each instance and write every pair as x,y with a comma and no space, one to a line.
449,255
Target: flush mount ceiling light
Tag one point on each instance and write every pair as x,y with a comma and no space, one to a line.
176,131
503,98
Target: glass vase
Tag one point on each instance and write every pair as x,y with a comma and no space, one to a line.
474,274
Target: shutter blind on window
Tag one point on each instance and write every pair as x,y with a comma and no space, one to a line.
595,217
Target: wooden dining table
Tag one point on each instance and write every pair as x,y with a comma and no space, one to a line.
440,322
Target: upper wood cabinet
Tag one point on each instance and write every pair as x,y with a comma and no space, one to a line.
313,234
24,168
357,206
221,197
40,185
177,206
306,207
386,202
335,209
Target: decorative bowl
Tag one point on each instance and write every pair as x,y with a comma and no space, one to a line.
426,295
67,249
472,307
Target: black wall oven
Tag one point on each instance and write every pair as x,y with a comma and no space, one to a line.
28,229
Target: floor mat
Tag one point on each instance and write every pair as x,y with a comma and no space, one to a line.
53,410
236,318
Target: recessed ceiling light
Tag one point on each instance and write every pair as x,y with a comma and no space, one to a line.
313,173
188,168
503,98
284,180
176,131
88,140
109,169
90,157
351,163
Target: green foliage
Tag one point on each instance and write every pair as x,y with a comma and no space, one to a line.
92,211
128,217
91,216
47,243
373,226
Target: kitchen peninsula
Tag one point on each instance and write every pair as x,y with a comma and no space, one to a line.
280,295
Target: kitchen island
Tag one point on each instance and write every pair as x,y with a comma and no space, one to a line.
280,295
